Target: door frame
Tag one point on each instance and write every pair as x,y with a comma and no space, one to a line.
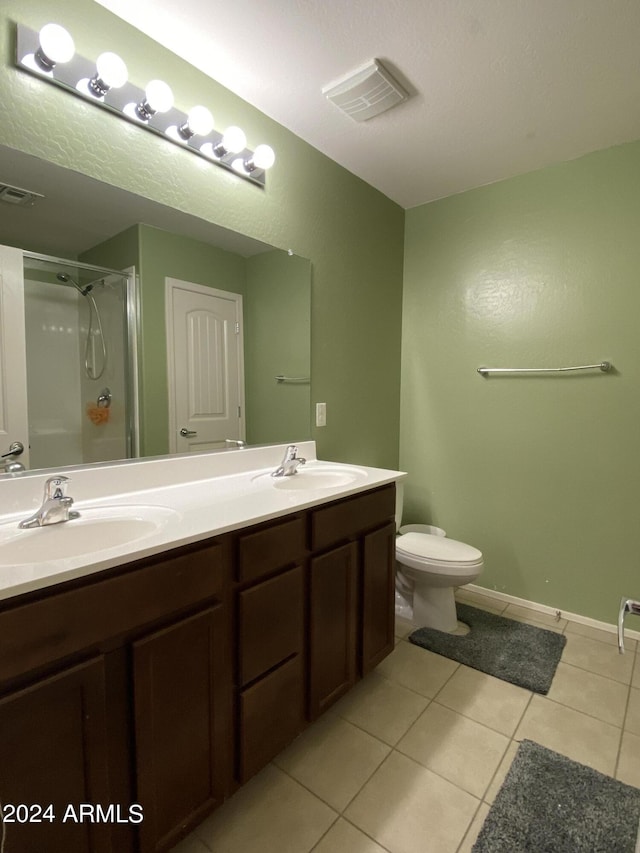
171,284
14,424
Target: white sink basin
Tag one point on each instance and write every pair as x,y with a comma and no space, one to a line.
316,476
97,529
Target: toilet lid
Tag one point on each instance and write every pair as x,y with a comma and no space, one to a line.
423,545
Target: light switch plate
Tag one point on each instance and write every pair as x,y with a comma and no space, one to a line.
321,414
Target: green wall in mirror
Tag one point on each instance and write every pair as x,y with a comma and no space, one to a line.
276,291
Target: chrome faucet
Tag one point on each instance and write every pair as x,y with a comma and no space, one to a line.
235,442
56,506
290,462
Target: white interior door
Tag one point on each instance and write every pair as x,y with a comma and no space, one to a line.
205,366
14,425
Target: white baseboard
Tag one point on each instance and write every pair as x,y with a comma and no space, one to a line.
553,611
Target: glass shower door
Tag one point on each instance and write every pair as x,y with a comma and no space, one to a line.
79,388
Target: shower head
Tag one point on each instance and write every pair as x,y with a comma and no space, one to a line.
63,277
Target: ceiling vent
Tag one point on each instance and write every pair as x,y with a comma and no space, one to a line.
17,195
367,92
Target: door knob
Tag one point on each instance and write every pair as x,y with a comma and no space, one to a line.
187,433
15,449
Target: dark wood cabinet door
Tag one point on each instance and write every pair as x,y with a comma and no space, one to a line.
333,617
378,596
181,725
53,750
271,714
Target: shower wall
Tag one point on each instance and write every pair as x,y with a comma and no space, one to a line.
64,428
53,389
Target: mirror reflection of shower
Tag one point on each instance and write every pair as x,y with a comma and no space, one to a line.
78,336
89,349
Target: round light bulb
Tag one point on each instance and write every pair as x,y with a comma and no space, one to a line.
200,121
264,157
159,96
111,70
56,43
234,140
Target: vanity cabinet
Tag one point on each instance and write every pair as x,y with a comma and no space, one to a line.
54,752
270,678
351,607
116,691
333,626
170,681
378,596
180,724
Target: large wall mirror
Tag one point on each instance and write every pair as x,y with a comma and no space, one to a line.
77,234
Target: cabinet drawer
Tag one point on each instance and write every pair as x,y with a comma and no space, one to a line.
271,715
40,632
270,623
346,519
270,548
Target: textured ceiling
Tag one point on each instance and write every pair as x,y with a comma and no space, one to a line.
499,87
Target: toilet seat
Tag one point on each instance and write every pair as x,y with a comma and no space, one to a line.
423,551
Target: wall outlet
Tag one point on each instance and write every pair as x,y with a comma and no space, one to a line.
321,414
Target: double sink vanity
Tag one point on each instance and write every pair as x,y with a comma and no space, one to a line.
160,649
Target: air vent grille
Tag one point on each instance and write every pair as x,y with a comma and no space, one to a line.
367,92
18,195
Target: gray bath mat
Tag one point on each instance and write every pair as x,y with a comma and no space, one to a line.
510,650
550,804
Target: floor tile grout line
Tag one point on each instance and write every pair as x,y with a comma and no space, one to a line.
579,711
466,717
587,713
324,834
593,672
340,812
512,740
466,832
359,828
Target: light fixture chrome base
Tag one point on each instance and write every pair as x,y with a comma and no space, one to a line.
67,75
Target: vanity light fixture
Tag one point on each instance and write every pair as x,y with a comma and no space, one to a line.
54,46
199,123
50,54
111,73
263,158
233,141
158,98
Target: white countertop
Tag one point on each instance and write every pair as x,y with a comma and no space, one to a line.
196,496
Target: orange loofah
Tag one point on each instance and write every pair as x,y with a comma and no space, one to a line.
97,414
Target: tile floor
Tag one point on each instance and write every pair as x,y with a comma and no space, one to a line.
411,759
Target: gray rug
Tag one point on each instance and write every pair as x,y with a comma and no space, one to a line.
510,650
550,804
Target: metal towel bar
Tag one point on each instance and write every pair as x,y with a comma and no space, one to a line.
299,379
603,365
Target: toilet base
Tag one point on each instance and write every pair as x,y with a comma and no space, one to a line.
435,607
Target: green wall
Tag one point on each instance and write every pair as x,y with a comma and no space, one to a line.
352,234
277,316
541,473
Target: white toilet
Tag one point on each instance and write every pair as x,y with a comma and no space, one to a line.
428,569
